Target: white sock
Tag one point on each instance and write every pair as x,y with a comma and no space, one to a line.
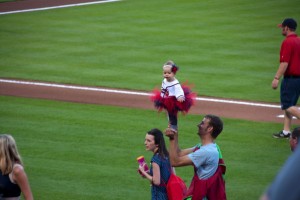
286,132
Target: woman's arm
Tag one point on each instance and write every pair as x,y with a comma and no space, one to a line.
20,177
156,174
155,179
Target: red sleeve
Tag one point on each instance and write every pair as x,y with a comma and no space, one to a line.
285,51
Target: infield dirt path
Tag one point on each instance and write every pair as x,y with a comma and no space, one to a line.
252,111
96,95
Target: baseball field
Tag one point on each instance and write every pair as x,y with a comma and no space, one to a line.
77,145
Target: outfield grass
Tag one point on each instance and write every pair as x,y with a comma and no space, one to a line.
226,48
79,151
74,151
3,1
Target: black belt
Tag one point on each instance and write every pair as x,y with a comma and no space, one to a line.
291,76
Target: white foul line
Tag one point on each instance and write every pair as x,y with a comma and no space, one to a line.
54,7
130,92
282,116
239,102
73,87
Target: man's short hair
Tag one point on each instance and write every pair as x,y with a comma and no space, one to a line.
216,123
296,133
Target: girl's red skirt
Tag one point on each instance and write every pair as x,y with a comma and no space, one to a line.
171,104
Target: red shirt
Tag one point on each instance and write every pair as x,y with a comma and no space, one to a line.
290,53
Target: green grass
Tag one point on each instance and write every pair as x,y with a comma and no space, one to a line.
89,152
3,1
223,47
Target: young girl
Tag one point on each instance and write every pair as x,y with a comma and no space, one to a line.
173,97
160,168
13,179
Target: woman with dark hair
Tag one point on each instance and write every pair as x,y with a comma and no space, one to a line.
160,168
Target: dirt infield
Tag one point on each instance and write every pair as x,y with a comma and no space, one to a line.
95,95
230,109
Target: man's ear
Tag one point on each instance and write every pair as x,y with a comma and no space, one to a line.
210,128
286,28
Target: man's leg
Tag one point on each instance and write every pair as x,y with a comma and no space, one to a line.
294,111
286,132
287,121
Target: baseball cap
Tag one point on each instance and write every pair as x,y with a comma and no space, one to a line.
289,22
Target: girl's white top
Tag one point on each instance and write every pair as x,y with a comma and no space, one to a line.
171,89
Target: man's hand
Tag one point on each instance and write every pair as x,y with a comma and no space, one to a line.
170,133
275,83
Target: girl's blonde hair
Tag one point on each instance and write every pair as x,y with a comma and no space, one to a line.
172,65
9,154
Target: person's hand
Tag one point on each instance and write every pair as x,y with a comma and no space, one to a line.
180,99
141,171
170,133
141,168
275,83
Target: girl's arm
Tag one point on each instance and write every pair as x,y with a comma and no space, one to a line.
155,179
179,93
20,177
180,99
